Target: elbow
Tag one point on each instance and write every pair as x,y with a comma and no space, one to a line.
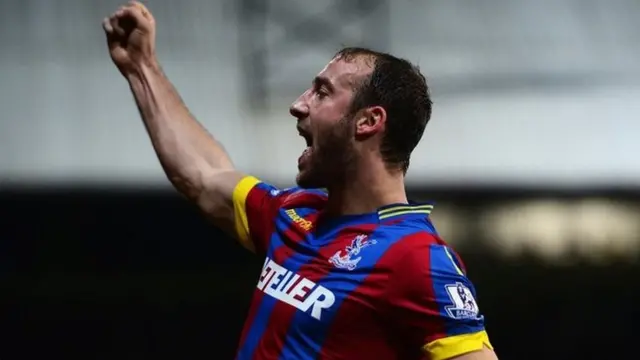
189,181
201,184
189,186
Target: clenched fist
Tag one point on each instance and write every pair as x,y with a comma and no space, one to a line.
131,33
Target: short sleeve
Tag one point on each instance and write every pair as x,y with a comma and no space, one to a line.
433,303
256,206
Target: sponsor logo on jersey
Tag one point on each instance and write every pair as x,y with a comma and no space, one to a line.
299,220
345,259
295,290
464,305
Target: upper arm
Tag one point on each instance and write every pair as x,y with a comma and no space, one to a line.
242,206
435,307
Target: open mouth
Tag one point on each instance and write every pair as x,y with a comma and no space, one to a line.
306,136
307,151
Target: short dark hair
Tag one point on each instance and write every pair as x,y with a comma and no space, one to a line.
400,88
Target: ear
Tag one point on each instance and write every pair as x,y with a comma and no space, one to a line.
370,121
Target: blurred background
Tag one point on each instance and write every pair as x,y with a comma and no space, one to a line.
532,154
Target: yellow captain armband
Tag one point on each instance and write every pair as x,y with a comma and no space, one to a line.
452,346
240,194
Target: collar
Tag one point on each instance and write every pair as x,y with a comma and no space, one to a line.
391,211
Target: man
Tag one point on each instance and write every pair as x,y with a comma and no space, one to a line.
357,274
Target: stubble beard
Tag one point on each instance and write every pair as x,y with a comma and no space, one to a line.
332,158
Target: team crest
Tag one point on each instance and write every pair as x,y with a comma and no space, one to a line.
346,259
464,305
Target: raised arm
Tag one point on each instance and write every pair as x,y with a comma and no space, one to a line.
195,163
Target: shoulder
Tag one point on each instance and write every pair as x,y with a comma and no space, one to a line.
253,188
298,197
426,270
410,235
419,250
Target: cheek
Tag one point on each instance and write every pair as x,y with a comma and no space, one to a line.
323,115
322,124
331,107
335,138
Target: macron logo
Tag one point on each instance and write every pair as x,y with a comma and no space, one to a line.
302,222
293,289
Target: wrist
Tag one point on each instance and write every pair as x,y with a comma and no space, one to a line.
144,70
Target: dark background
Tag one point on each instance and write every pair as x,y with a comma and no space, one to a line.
101,274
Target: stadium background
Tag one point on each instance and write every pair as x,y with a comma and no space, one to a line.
532,156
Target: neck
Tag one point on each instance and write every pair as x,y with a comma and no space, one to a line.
367,190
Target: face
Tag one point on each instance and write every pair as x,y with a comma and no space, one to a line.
325,122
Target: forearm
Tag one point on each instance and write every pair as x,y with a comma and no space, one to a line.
185,149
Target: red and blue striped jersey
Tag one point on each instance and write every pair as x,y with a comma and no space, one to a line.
381,285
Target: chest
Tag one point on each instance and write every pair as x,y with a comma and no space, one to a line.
319,277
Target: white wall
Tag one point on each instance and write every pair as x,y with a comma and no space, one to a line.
67,115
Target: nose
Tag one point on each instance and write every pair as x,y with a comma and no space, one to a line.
300,109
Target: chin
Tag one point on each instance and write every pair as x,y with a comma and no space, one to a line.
307,180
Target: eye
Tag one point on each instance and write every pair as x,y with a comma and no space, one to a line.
321,93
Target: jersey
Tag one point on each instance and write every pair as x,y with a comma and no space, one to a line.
381,285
